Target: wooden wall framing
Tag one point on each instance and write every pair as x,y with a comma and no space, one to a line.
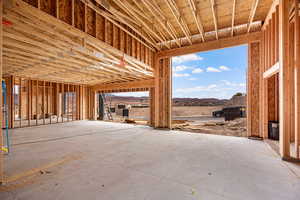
90,19
42,102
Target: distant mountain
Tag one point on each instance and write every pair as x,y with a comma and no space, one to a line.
176,101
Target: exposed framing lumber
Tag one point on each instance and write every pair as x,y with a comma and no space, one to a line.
197,19
130,10
252,14
62,99
161,19
163,93
43,103
284,96
211,45
133,63
125,85
29,101
269,15
213,10
1,65
271,71
20,102
36,102
57,101
297,80
120,17
179,19
51,102
233,17
68,101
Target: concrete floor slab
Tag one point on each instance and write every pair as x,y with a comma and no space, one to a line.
102,160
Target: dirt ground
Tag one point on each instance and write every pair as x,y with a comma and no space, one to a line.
236,127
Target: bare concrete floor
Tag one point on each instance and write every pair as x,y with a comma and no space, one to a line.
111,161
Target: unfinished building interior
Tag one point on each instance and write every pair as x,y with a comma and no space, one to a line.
57,55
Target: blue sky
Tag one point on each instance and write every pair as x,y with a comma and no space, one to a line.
218,74
213,74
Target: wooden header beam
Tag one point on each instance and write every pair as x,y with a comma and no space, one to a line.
149,83
212,45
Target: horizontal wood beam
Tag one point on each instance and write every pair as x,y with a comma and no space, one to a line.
149,83
273,70
211,45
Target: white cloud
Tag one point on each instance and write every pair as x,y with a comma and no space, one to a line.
181,75
224,68
197,71
186,58
180,68
192,79
197,89
238,85
212,69
222,90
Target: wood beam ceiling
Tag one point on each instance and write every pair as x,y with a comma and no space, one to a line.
179,19
67,55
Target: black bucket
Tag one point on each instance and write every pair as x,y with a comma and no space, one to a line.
273,130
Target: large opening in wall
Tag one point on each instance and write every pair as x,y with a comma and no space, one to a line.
127,107
34,102
209,92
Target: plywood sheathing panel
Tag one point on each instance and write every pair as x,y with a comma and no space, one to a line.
91,22
49,6
253,87
79,15
65,11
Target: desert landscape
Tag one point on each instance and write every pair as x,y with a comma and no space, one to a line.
188,114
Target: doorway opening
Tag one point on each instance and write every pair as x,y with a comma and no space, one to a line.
127,107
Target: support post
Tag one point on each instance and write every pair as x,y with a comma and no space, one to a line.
253,90
297,80
20,102
37,101
163,93
1,135
284,92
152,106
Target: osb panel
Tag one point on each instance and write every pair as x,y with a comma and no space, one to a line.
100,27
253,84
134,43
49,6
65,11
32,2
109,32
91,22
116,37
272,98
79,9
128,46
